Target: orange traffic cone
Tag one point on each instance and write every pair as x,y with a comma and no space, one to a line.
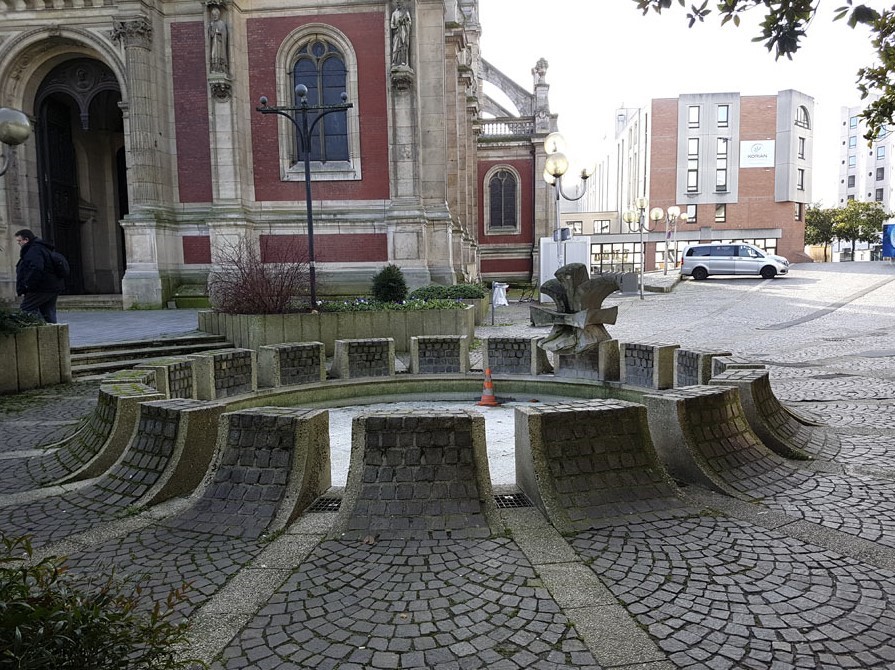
488,399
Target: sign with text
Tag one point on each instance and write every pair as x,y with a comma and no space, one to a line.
757,153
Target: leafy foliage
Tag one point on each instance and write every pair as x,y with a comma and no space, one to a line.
455,292
389,285
786,23
362,305
860,221
819,224
14,320
246,283
52,620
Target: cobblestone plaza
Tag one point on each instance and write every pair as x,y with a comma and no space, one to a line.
797,570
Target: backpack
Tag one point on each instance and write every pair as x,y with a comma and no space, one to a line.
60,265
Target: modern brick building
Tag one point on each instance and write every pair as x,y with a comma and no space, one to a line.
149,155
739,166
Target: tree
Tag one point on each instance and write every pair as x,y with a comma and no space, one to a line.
859,221
786,22
819,223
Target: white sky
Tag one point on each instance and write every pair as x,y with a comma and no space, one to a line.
604,54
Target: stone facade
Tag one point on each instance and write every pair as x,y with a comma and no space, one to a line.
147,133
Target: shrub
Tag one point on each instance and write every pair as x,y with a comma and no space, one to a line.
455,292
362,305
14,320
50,619
389,285
246,283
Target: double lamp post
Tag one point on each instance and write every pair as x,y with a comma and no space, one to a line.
637,223
556,165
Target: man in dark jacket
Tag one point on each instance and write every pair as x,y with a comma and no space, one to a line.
36,277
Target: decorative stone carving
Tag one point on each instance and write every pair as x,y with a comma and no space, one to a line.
400,24
402,78
218,42
540,71
221,90
579,315
136,32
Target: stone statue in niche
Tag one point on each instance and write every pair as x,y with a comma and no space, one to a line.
400,25
218,38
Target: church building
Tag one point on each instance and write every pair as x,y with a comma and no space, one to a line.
166,130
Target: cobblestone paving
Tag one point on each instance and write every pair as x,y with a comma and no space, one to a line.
434,604
716,593
44,416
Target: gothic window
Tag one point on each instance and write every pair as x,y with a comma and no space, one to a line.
502,202
321,67
322,59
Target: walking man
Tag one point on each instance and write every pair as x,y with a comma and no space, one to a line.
36,276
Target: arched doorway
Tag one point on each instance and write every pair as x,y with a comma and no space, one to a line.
83,192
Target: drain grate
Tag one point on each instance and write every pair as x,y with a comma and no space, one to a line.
512,501
324,504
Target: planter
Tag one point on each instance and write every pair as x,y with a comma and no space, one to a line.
250,331
36,357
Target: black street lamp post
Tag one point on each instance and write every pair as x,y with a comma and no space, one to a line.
303,128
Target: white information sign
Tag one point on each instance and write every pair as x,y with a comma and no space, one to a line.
757,153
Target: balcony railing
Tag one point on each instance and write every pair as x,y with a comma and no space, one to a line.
508,127
50,5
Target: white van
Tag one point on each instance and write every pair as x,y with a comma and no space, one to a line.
737,258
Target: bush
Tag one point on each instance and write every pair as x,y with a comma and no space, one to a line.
248,284
14,320
455,292
389,285
52,620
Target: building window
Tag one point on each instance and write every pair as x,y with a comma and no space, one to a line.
851,197
576,226
601,226
693,116
693,163
851,181
322,59
800,179
802,148
691,213
852,161
723,114
880,153
721,165
880,173
720,213
853,122
802,117
502,201
615,257
852,141
799,211
878,196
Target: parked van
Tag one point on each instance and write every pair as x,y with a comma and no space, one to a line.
702,260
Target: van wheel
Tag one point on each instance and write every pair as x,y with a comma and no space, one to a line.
700,273
768,272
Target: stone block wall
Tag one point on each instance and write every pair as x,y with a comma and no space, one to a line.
585,462
434,354
224,373
418,475
515,356
647,365
364,358
291,363
173,375
694,366
601,363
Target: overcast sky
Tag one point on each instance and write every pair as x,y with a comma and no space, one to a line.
604,54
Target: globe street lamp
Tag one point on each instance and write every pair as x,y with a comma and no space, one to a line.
636,220
555,167
14,129
304,127
671,218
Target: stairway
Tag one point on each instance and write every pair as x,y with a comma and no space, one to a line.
94,360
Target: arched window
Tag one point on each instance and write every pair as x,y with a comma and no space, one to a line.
502,206
321,58
321,67
802,117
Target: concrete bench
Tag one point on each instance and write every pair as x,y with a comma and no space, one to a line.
364,358
291,363
694,366
439,354
646,364
224,373
600,363
173,375
515,356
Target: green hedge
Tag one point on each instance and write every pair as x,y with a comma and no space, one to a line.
455,292
366,305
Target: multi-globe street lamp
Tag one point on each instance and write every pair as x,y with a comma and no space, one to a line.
556,165
14,129
304,127
637,223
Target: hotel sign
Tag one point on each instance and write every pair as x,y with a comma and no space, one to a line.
757,153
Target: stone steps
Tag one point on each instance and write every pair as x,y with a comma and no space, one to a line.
99,359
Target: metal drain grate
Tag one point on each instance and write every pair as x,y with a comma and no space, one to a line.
325,504
512,501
